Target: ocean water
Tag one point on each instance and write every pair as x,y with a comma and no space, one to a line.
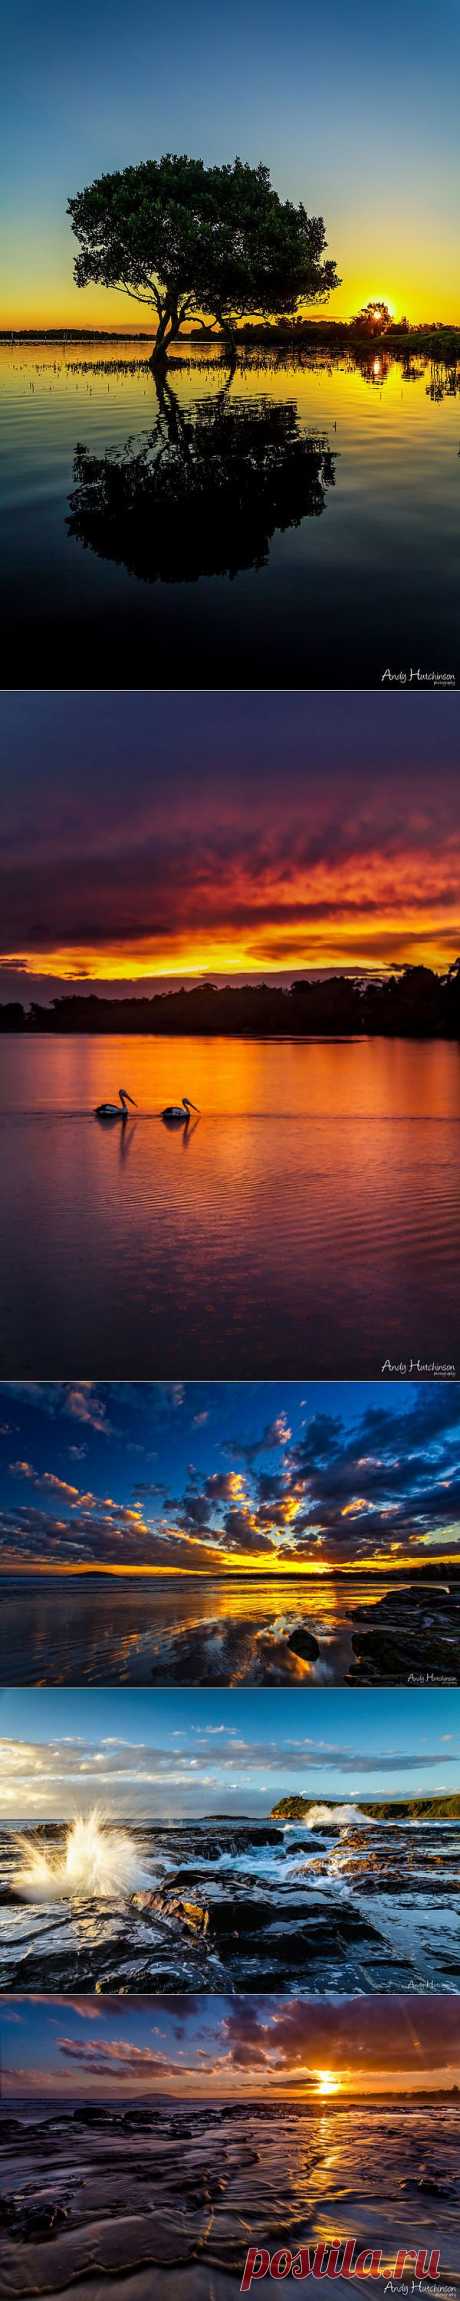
341,567
116,1630
307,1223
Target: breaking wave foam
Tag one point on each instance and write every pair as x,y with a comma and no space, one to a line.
95,1860
335,1817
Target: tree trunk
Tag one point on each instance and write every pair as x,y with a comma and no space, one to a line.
168,328
159,354
229,339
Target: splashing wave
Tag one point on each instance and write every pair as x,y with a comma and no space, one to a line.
335,1817
95,1860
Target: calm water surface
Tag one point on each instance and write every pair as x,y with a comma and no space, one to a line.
182,2188
144,1630
307,1224
329,578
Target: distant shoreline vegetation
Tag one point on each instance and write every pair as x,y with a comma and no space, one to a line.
413,1002
436,1809
435,337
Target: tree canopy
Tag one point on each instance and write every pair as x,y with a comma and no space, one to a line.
186,239
374,319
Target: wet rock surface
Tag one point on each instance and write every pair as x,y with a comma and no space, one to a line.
347,1906
412,1635
167,2196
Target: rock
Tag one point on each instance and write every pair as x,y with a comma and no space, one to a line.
397,1655
190,1914
32,2219
304,1643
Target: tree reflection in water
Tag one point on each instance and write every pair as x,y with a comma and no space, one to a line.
204,491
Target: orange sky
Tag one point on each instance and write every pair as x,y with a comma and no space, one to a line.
396,1560
347,914
237,2047
329,2086
281,834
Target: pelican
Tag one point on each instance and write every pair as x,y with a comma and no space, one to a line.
116,1110
178,1114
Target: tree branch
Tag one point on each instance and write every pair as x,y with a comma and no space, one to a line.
122,290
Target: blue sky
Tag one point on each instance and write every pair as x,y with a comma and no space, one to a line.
357,115
141,1754
224,1476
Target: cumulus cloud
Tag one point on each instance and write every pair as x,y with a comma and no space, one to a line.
383,1488
235,2044
291,2034
83,1402
198,1768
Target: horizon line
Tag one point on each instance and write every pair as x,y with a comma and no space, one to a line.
216,1572
316,320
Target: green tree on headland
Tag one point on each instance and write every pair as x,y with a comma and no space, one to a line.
297,1808
184,239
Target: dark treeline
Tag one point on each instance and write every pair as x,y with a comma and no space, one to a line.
339,333
299,329
412,1003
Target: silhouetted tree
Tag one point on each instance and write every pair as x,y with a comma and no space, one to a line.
187,239
413,1002
373,320
451,999
12,1016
